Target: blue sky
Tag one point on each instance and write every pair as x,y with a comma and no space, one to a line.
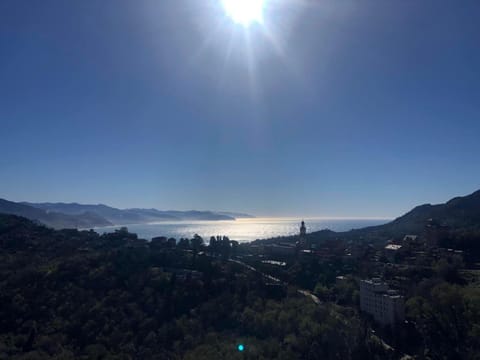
330,108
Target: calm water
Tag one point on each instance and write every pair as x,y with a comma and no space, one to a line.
242,229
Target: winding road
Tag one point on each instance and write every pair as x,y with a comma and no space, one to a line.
303,292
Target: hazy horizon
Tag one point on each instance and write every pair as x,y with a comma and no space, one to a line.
243,230
257,216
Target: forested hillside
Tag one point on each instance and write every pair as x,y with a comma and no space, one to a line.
78,295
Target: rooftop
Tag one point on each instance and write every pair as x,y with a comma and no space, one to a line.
393,247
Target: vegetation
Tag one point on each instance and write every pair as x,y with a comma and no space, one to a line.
78,295
461,214
447,317
75,294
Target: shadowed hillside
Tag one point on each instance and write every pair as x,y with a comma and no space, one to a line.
53,219
132,216
460,213
78,295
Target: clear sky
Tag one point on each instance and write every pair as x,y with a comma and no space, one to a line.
333,108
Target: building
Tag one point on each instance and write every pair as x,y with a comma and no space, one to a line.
391,252
306,255
303,236
410,239
386,306
303,229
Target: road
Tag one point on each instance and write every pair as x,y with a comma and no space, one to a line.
307,294
303,292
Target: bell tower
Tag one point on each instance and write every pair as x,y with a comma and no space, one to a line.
303,229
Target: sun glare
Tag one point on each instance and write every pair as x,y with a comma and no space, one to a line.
244,12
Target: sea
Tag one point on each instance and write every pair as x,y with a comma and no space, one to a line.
242,230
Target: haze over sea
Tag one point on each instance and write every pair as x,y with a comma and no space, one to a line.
242,230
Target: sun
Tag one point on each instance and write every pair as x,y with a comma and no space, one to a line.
245,12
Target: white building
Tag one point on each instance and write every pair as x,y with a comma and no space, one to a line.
391,252
386,306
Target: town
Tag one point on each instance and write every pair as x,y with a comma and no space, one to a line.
376,276
393,297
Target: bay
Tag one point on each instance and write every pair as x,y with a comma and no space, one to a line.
242,230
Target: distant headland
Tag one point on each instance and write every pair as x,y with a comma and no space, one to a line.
73,215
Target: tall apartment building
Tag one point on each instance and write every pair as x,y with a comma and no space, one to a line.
386,306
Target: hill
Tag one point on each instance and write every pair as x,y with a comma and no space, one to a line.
459,214
79,295
132,216
236,215
74,215
53,219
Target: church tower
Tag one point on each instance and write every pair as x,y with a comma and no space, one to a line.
303,243
303,229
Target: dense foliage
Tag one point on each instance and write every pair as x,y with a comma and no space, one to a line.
70,294
79,295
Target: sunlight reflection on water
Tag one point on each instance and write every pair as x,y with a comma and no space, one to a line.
242,229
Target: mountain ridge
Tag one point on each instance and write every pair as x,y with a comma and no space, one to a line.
461,212
458,213
53,219
132,215
75,215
